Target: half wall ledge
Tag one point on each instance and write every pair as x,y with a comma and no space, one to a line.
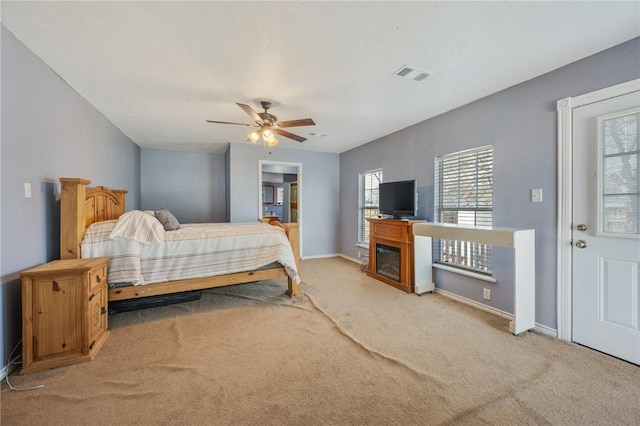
522,241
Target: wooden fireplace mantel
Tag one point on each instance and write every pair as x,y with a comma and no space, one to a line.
397,234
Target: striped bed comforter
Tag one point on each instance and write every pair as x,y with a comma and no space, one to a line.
193,251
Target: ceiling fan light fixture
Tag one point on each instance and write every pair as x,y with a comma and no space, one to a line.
268,137
272,143
253,137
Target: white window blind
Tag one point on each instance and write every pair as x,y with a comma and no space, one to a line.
368,201
464,195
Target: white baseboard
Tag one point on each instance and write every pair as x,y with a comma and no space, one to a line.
320,256
546,330
324,256
475,304
352,259
539,327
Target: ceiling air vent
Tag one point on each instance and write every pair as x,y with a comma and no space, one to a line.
410,73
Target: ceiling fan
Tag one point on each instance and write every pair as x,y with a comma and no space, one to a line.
268,124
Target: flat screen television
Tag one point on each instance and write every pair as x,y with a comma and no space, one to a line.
398,199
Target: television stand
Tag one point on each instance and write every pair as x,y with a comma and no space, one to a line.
391,252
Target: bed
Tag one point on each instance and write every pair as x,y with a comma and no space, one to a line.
82,206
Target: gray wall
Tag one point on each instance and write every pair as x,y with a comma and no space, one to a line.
320,184
48,131
521,124
191,185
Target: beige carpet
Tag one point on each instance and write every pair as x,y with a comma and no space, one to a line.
351,351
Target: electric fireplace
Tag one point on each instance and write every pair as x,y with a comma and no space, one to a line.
391,252
388,261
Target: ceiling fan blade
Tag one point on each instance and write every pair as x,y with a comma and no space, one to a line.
288,135
254,115
229,122
295,123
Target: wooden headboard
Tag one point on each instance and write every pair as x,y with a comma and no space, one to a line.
80,206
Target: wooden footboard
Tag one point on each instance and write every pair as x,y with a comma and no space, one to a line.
81,206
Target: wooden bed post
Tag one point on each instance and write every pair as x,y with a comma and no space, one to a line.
292,287
72,223
293,236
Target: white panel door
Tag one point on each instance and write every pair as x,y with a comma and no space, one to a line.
606,226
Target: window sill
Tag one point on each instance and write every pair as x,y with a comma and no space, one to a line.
465,273
363,245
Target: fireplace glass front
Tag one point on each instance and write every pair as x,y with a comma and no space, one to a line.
388,261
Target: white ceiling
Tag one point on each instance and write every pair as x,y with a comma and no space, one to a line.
157,70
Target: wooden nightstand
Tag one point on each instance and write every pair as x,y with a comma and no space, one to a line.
64,313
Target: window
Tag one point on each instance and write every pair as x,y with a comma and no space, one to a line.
279,195
464,195
620,187
368,201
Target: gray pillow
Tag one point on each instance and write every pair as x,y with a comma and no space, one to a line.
167,219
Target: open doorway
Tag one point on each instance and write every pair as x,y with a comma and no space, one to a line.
280,189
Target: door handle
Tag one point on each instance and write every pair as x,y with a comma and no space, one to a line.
581,244
581,227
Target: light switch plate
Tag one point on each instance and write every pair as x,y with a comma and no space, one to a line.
27,190
536,195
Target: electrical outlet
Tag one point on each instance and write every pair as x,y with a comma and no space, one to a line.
486,293
27,190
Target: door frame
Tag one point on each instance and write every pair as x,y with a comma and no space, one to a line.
564,276
299,173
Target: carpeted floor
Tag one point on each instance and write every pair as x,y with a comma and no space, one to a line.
351,350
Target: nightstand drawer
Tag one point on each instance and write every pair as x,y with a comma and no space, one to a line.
97,278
